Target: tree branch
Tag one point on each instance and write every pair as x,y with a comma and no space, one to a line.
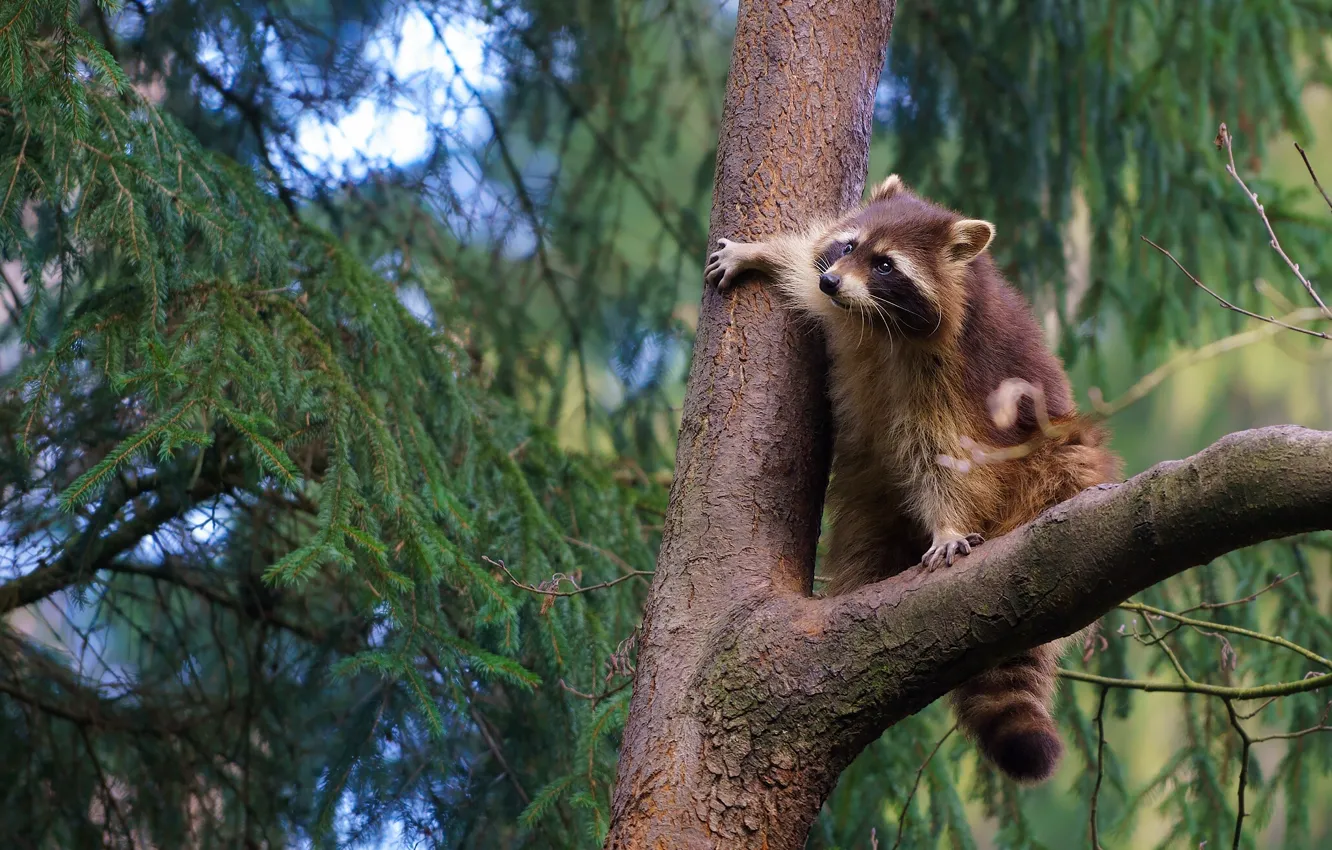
1223,138
81,559
1273,320
1281,689
1313,176
1063,570
855,664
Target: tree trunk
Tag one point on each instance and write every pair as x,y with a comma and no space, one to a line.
752,460
751,696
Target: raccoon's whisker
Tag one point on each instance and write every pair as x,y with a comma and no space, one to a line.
892,325
887,320
903,309
892,321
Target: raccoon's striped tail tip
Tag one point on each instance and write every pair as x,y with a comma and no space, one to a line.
1028,756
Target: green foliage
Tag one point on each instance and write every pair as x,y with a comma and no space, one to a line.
252,375
272,425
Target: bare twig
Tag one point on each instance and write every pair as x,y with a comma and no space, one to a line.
605,553
571,689
906,806
1100,766
559,577
112,804
1322,726
1258,710
1280,689
494,747
1223,138
1223,627
1246,743
1224,303
1213,606
594,698
1159,640
1314,177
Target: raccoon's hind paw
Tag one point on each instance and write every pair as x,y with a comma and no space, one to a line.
948,548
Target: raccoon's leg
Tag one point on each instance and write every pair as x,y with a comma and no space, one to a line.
871,538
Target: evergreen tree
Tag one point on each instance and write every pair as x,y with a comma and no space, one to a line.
331,488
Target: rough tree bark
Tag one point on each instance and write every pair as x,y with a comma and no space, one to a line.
751,696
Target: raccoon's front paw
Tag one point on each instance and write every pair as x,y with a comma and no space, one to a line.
727,262
948,548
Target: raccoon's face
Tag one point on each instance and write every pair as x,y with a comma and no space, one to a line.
900,264
863,275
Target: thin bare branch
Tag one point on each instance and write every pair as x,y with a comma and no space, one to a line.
1224,303
1322,726
1281,689
1223,138
559,577
1314,177
1149,382
1100,767
1224,627
906,805
1215,606
1246,742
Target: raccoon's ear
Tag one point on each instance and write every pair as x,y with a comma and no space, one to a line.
891,185
969,237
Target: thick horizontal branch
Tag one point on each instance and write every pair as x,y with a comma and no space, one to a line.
843,669
1059,573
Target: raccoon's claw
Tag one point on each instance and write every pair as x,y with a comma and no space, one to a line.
725,264
948,549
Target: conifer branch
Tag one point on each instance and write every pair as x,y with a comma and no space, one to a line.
96,549
180,577
86,708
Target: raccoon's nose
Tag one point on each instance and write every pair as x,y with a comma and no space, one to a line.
829,283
